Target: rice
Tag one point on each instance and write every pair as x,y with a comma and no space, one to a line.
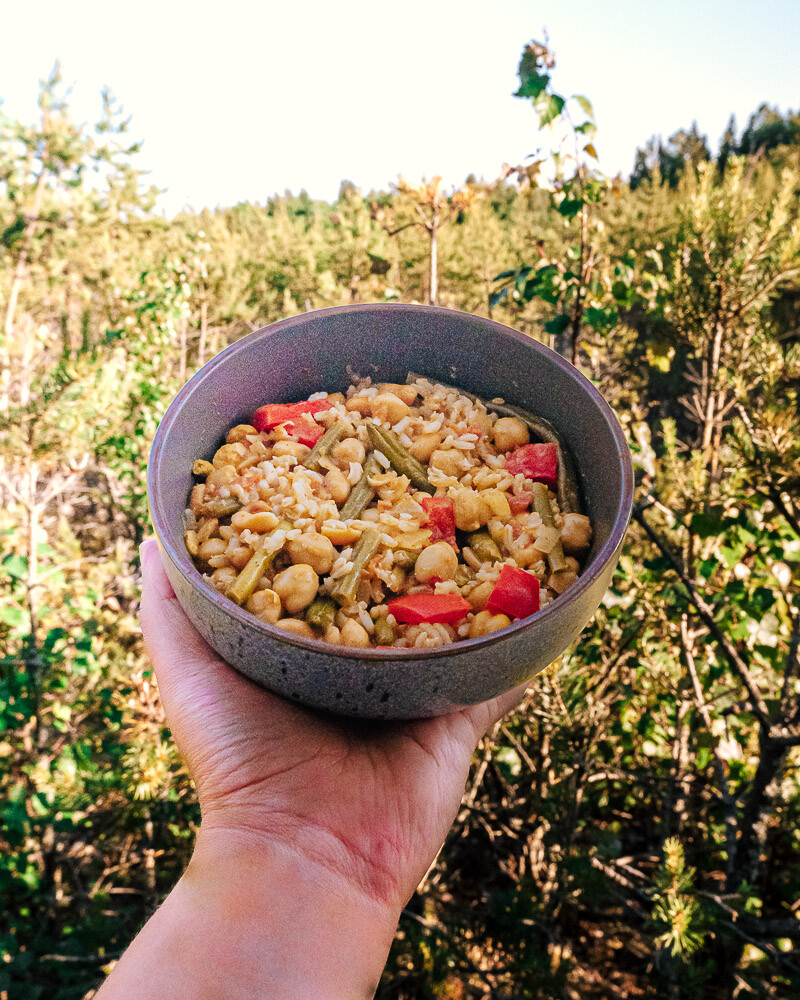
394,522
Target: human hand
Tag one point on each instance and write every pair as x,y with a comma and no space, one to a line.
359,808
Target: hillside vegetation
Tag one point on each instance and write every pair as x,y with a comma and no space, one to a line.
634,829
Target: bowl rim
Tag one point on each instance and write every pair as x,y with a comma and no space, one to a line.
182,561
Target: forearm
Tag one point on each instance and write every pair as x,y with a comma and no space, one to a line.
256,921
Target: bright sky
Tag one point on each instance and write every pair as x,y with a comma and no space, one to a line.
238,100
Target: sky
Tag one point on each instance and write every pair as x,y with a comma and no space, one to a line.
237,101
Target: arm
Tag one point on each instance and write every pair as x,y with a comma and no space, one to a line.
315,831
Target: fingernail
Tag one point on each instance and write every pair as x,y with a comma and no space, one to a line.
146,551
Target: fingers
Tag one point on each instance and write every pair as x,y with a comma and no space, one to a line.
179,653
483,717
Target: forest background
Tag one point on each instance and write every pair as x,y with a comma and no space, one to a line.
632,831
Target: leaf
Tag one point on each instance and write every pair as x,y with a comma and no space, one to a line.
587,128
570,207
558,324
585,104
533,85
505,274
589,148
15,617
16,566
549,108
497,297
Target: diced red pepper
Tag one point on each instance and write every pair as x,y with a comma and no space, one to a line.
414,609
305,430
441,515
519,503
515,594
538,462
269,416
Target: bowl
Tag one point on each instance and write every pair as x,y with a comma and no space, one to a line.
319,350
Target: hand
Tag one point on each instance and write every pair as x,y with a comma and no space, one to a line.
364,806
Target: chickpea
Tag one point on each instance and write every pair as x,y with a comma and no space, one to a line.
239,433
483,422
258,521
192,544
470,510
229,454
576,533
240,556
314,550
347,451
300,451
436,561
479,595
425,446
497,502
198,494
222,476
296,627
485,622
360,403
528,556
408,393
561,580
212,547
333,635
353,633
200,467
222,578
387,406
266,605
451,463
509,433
296,586
338,486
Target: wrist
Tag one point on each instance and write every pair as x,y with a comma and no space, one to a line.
275,918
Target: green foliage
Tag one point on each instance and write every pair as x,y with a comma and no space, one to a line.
677,913
666,737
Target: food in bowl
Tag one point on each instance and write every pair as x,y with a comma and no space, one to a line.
402,516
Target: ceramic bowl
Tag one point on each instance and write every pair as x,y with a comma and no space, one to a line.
317,351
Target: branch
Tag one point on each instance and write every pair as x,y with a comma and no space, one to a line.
394,232
706,612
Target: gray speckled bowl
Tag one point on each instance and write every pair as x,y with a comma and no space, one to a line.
312,352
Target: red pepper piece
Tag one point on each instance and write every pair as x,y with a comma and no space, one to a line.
441,515
520,503
515,594
538,462
414,609
269,416
305,430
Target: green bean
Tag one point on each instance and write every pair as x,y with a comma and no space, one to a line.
484,546
568,492
541,501
220,507
346,588
362,492
403,462
321,612
247,581
405,558
385,632
333,435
